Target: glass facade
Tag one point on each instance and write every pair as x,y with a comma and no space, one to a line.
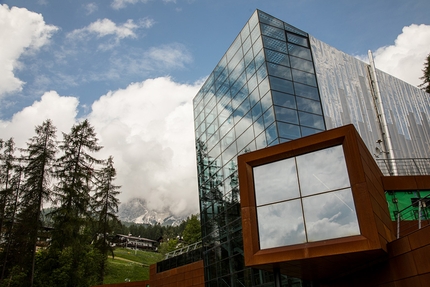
274,84
262,92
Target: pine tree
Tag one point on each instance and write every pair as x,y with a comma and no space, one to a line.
7,165
13,254
105,207
426,77
70,237
39,159
10,180
75,175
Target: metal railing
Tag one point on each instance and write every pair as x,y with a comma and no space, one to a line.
183,250
413,217
404,166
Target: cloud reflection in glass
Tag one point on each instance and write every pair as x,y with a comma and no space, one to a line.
310,190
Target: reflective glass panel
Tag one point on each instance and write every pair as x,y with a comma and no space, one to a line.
309,105
330,215
277,58
311,120
303,77
322,170
272,32
265,18
281,85
308,131
285,100
297,40
301,64
288,131
275,181
306,91
274,44
280,224
286,115
300,52
279,71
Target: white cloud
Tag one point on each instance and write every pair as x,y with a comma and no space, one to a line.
21,32
119,4
106,27
169,56
91,8
405,59
60,109
147,128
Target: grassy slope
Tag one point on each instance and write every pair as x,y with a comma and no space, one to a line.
130,265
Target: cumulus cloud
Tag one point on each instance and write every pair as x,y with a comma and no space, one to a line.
21,32
106,27
405,59
147,128
62,110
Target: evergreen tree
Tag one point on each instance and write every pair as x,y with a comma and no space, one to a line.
13,253
105,207
40,157
7,165
192,232
70,249
426,77
75,175
10,181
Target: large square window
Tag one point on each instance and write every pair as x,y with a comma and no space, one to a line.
306,198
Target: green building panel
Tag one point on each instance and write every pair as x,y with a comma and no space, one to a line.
407,204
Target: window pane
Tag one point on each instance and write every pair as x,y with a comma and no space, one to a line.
322,171
279,71
306,91
309,105
276,181
311,120
299,52
297,40
308,131
288,131
281,85
274,228
303,77
285,100
277,58
273,32
274,44
301,64
330,215
286,115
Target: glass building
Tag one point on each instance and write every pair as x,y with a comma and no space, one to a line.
274,84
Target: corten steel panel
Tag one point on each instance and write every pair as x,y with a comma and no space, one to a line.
328,258
418,182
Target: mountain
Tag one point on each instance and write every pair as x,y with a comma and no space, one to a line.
136,211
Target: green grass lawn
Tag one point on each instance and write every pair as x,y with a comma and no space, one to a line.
132,265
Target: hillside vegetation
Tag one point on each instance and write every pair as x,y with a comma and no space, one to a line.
129,265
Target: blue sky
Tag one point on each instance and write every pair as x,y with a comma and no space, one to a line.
133,66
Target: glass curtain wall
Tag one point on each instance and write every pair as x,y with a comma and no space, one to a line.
262,92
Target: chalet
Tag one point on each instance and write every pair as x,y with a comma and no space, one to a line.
129,241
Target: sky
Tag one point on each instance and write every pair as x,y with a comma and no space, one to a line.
132,67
